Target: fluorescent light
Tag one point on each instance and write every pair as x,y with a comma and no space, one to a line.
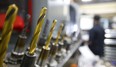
86,0
67,1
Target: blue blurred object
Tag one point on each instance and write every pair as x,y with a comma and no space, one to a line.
113,63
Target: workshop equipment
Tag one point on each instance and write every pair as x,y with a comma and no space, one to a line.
54,48
30,56
18,52
45,50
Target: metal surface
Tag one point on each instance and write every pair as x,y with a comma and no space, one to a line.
61,45
9,65
14,58
29,60
41,42
17,54
110,58
110,36
110,31
110,45
43,57
110,42
54,48
73,49
110,53
65,59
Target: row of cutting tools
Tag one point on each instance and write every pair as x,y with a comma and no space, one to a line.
30,57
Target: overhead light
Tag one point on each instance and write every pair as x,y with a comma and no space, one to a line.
67,1
86,0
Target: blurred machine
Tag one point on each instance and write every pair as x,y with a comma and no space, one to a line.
110,45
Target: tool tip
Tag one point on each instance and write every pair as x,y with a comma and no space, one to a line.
13,6
54,20
62,24
44,9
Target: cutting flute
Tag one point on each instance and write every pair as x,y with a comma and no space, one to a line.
7,31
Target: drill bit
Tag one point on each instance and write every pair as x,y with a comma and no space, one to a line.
45,51
58,34
54,47
7,31
37,31
50,34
